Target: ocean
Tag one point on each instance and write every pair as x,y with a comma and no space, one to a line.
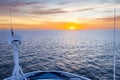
87,53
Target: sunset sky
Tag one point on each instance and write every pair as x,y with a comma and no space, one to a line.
60,14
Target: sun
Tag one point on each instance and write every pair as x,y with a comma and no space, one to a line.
72,28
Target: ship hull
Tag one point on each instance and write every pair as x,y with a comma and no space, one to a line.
51,75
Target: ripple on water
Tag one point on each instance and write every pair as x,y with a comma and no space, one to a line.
81,52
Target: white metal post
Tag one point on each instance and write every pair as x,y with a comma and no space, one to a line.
114,54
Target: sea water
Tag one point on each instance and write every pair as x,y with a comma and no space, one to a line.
87,53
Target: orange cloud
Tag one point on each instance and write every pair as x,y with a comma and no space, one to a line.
108,22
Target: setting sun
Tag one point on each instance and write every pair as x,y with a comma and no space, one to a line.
72,27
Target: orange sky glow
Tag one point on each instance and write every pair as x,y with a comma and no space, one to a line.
61,15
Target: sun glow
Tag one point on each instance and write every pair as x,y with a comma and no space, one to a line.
72,27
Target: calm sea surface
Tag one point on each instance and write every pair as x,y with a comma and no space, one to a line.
86,53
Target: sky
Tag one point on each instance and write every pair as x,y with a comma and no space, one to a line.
59,14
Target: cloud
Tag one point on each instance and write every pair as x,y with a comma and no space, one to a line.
27,6
109,18
117,1
49,11
22,7
18,3
4,8
19,7
84,9
63,3
114,1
